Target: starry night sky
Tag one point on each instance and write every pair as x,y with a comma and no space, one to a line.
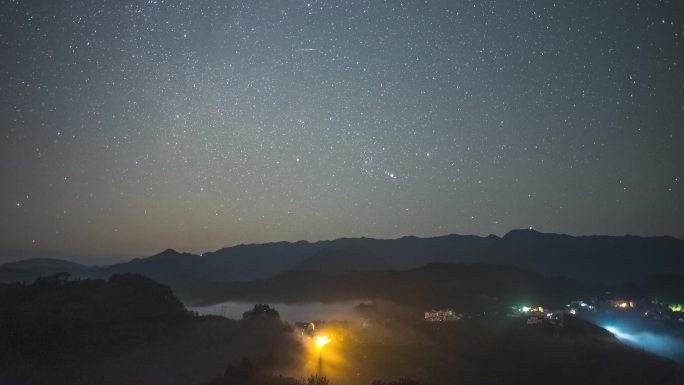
131,126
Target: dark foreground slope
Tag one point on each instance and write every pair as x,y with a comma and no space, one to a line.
391,344
500,350
131,330
127,330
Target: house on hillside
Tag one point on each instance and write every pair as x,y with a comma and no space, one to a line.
446,315
308,328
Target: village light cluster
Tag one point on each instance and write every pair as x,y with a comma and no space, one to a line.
623,304
538,315
445,315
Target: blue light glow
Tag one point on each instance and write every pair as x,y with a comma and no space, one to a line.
659,344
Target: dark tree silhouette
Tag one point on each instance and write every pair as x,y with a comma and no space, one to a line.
261,311
247,374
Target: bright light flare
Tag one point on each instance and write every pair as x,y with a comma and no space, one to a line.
321,341
619,334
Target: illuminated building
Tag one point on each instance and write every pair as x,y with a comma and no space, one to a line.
623,304
446,315
308,328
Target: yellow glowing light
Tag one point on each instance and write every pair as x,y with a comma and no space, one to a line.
321,341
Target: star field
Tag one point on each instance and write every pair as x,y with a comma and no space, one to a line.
133,126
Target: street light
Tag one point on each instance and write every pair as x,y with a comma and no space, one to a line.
321,341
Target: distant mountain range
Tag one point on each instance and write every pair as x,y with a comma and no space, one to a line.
30,269
471,287
598,259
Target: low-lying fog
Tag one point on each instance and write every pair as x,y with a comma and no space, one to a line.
659,343
290,312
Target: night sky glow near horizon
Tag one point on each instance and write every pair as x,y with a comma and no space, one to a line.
128,127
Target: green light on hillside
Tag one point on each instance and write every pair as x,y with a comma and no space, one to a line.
677,307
